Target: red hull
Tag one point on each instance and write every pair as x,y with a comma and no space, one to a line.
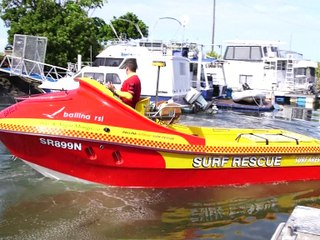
111,171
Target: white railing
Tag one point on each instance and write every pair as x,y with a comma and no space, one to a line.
32,69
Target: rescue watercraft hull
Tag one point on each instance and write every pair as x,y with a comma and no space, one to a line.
88,135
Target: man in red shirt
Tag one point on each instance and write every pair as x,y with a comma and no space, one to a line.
131,88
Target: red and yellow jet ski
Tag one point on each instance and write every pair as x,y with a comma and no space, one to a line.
88,135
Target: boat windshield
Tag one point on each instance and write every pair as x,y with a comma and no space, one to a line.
93,75
103,77
113,78
109,62
245,53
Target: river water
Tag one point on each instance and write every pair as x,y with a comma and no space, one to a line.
34,207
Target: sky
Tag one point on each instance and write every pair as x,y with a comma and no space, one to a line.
294,23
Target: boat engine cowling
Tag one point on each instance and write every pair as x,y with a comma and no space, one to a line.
195,97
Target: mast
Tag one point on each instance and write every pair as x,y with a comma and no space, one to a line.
213,24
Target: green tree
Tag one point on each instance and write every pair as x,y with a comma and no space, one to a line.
213,54
127,26
65,23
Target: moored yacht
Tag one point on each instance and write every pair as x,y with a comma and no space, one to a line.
263,66
171,83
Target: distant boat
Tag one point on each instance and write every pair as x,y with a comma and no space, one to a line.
224,103
263,66
109,66
249,96
171,82
211,80
247,99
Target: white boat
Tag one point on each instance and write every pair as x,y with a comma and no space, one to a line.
263,66
211,81
109,65
172,82
249,96
259,64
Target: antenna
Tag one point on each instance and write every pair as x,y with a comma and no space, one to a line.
114,31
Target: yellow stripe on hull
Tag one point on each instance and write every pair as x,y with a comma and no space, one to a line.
217,141
206,161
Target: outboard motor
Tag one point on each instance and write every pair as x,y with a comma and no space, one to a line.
195,97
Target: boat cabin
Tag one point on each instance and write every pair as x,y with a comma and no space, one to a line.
261,65
173,80
211,79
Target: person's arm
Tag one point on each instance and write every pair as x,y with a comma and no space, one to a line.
119,93
122,94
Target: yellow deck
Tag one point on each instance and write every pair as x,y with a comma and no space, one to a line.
230,136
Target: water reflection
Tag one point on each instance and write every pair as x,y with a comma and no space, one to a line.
297,113
95,212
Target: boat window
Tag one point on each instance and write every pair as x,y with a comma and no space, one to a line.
113,78
255,53
270,65
153,46
251,53
300,71
275,51
311,71
281,65
229,53
242,53
98,62
96,76
194,68
265,52
109,62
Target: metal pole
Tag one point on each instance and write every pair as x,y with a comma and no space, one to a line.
199,67
157,88
158,64
213,24
91,55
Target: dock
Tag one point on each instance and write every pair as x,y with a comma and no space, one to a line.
26,60
311,101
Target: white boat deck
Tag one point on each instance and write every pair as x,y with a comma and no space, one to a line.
303,224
